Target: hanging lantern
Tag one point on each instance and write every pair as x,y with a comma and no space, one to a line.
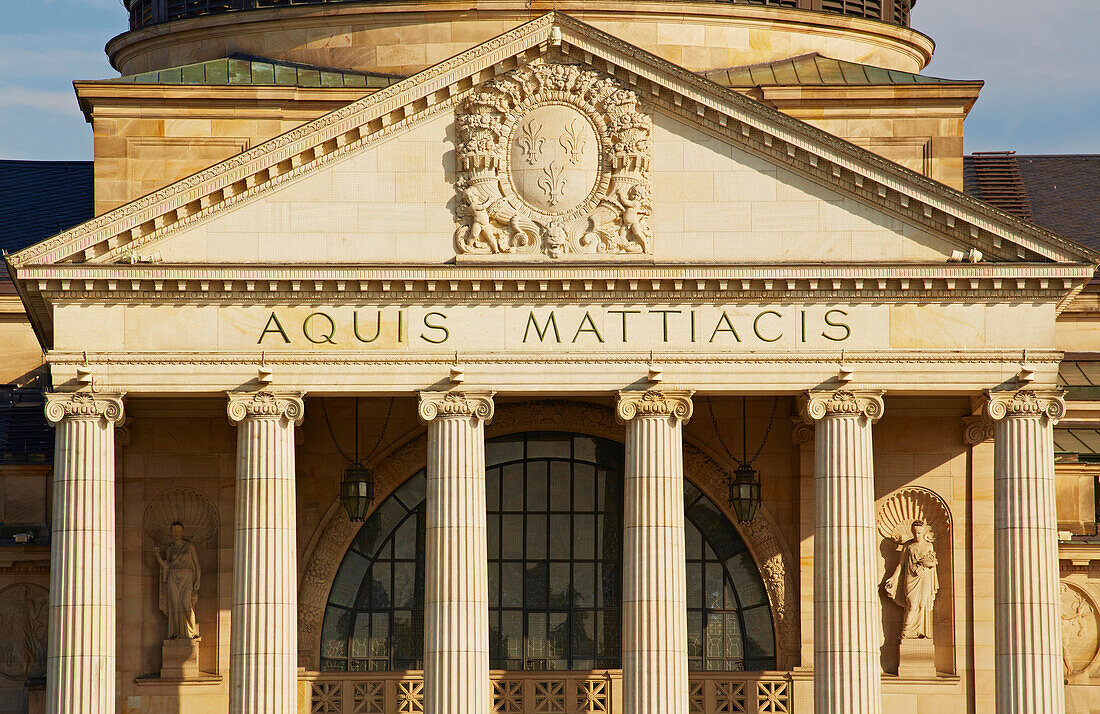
744,487
357,491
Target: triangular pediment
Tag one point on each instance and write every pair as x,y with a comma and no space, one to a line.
731,182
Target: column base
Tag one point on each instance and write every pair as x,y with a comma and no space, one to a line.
180,659
917,658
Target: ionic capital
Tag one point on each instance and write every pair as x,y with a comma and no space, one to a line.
655,403
977,429
84,405
1026,403
478,405
843,403
266,405
802,431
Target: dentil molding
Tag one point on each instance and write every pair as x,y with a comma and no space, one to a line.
84,405
478,405
842,402
655,403
1024,403
266,405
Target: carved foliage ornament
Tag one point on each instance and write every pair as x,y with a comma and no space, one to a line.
266,405
553,159
818,405
456,404
82,405
1026,403
655,403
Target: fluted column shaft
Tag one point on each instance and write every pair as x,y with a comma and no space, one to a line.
846,653
655,660
263,645
456,581
80,664
1028,640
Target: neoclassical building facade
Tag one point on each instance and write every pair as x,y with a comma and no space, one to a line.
564,374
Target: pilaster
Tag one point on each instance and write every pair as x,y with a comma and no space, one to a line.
847,677
80,665
1025,540
655,662
456,588
263,648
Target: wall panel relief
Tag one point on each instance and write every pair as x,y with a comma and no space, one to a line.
1080,631
553,160
180,533
914,525
24,611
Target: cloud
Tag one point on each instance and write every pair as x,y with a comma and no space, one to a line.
43,100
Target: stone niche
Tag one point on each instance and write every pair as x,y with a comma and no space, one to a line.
181,659
914,658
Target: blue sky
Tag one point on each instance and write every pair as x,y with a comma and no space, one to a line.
1038,58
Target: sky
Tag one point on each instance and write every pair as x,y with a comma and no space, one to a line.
1038,58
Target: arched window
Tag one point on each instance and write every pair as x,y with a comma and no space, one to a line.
554,528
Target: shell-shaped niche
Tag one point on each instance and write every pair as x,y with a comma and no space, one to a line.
913,503
195,511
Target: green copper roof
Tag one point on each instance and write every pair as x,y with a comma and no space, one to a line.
815,70
246,71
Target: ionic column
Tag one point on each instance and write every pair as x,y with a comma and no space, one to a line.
655,662
80,665
263,644
456,581
1025,552
846,608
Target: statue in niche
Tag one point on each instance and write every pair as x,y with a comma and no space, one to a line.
180,578
914,583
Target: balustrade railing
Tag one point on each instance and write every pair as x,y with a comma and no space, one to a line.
538,692
152,12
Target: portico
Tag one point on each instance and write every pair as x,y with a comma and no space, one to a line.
546,371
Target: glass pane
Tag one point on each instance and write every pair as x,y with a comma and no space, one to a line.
335,632
512,487
759,635
512,537
404,543
412,492
376,531
559,536
404,584
492,489
492,535
584,585
560,587
377,594
695,585
511,585
584,487
536,486
345,587
746,579
560,486
584,537
549,445
509,448
512,634
693,541
536,586
536,537
494,584
713,586
584,635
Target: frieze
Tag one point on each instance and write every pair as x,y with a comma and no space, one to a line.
553,159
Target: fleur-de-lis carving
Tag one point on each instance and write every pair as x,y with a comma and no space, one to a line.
530,142
552,183
573,142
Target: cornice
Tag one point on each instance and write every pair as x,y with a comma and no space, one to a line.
965,283
746,122
463,404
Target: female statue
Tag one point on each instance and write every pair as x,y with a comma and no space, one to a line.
179,584
914,583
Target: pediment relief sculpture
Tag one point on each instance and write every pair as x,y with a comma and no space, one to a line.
553,159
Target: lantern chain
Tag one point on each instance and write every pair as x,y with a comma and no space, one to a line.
722,441
385,426
331,433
